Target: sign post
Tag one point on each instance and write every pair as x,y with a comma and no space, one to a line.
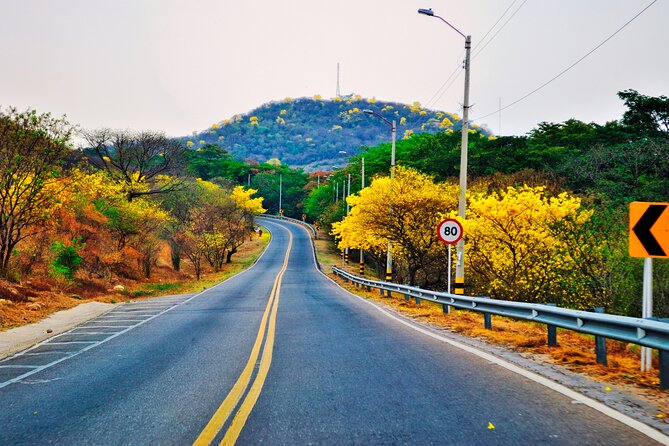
450,232
648,238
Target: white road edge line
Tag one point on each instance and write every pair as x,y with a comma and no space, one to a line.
569,393
18,366
97,343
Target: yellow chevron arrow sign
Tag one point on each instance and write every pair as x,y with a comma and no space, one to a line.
649,230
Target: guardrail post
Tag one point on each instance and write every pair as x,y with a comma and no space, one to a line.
446,308
407,297
381,291
552,332
417,300
487,320
600,344
664,369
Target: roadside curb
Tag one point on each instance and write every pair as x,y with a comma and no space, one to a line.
20,338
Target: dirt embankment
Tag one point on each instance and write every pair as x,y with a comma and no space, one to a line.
37,297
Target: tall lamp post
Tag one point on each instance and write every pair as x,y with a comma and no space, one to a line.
280,195
362,184
462,201
393,130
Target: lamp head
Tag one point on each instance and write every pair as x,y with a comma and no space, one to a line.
368,111
426,12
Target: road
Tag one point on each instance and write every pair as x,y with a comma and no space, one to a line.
277,355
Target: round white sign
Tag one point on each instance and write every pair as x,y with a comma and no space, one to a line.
450,231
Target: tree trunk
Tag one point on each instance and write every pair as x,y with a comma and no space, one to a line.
197,264
5,256
146,266
175,255
228,258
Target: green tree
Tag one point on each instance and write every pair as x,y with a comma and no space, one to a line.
66,258
32,148
317,201
212,161
293,193
646,114
180,205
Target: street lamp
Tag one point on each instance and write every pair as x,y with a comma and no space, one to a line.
462,201
389,256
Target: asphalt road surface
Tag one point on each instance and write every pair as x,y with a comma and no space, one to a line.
278,355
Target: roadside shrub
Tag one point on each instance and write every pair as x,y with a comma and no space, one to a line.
66,258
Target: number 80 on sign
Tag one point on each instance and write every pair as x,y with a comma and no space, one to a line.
450,231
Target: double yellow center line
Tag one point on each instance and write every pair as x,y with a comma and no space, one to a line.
231,402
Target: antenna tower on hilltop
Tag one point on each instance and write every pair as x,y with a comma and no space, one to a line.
338,92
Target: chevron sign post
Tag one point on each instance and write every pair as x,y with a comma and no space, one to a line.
648,238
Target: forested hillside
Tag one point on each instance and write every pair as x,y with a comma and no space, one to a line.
319,134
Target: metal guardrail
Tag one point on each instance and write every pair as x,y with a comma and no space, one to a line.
645,332
294,220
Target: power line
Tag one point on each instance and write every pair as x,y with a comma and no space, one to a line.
569,67
456,71
441,90
501,28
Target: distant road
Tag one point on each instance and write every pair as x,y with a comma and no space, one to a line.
278,355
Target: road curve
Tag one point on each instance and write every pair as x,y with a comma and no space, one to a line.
329,369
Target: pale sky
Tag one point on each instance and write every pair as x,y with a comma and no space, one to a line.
179,66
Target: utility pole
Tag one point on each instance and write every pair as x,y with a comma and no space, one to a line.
462,200
348,208
500,117
338,92
389,256
393,131
362,186
280,193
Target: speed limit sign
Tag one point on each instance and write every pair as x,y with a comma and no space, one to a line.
450,231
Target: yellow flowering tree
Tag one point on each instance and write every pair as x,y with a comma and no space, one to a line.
215,222
418,204
515,247
244,201
445,123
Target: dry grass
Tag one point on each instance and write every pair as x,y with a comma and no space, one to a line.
575,351
36,299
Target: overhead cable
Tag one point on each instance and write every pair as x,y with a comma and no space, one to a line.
441,90
569,67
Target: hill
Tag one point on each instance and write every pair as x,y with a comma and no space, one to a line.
319,134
